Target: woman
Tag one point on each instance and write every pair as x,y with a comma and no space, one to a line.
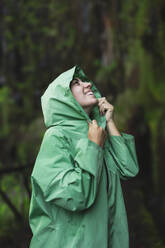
77,199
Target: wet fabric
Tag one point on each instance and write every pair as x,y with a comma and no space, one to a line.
77,200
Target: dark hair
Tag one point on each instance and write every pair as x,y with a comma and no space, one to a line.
80,74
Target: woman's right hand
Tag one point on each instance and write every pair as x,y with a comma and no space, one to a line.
96,133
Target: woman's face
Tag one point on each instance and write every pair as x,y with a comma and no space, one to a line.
83,94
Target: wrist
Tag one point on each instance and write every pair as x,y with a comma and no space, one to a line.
112,129
110,121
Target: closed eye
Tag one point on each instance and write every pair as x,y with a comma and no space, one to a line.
75,81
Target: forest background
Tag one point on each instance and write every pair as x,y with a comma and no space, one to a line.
120,46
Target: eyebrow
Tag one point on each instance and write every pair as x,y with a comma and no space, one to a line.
74,80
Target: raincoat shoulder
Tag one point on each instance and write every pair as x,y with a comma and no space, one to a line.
63,179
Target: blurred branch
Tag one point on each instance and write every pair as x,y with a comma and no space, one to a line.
11,206
26,185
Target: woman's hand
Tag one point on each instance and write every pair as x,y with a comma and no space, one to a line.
96,133
106,108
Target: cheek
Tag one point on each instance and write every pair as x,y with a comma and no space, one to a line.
78,95
80,98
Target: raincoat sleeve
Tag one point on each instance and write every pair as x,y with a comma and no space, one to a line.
68,182
122,155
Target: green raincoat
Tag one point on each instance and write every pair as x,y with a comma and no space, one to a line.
77,200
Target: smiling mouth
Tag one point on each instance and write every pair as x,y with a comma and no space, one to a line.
90,93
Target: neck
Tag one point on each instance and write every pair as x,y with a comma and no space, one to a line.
88,110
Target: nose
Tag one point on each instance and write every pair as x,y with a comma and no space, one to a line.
87,85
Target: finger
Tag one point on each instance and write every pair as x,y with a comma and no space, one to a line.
105,104
89,122
100,103
94,122
103,109
101,99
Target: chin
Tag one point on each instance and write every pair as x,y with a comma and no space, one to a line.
92,103
95,101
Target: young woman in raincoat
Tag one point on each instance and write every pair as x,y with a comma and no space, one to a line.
77,200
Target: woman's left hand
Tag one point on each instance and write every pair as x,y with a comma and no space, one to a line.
106,108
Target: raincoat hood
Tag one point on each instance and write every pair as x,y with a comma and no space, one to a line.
59,105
